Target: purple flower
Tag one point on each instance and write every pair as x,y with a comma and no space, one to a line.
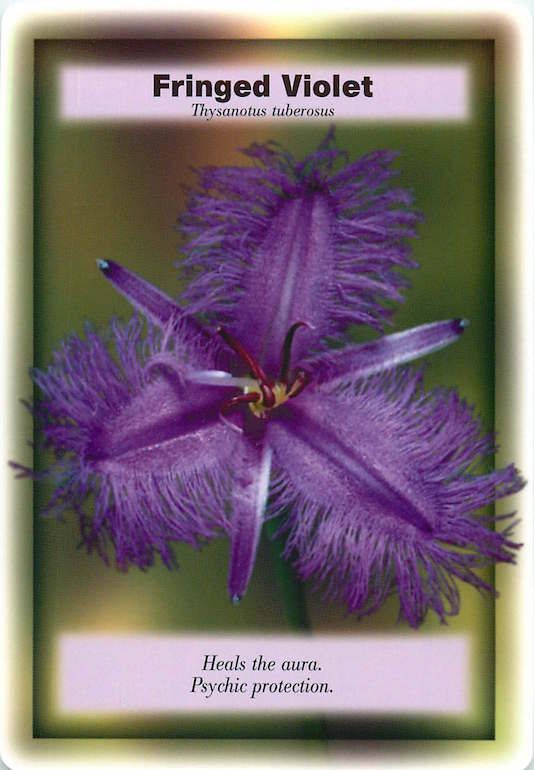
185,430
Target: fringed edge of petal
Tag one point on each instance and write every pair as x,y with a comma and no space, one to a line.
423,575
138,513
361,563
229,216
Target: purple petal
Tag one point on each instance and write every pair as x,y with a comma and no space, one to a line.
288,241
356,361
154,457
381,488
342,462
252,462
288,281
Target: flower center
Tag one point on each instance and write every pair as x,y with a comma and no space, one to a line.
265,395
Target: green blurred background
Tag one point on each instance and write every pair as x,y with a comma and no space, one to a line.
114,190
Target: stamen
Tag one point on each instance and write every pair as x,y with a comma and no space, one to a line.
271,394
244,398
243,353
299,383
268,396
286,350
254,367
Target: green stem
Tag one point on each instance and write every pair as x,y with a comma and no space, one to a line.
294,601
290,587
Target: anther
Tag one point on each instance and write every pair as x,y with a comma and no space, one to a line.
299,383
255,369
257,372
286,349
244,398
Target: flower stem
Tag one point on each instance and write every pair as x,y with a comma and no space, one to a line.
290,587
294,600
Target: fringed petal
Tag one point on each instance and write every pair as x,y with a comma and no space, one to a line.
154,456
292,241
381,490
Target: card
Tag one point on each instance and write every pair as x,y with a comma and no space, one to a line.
268,308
